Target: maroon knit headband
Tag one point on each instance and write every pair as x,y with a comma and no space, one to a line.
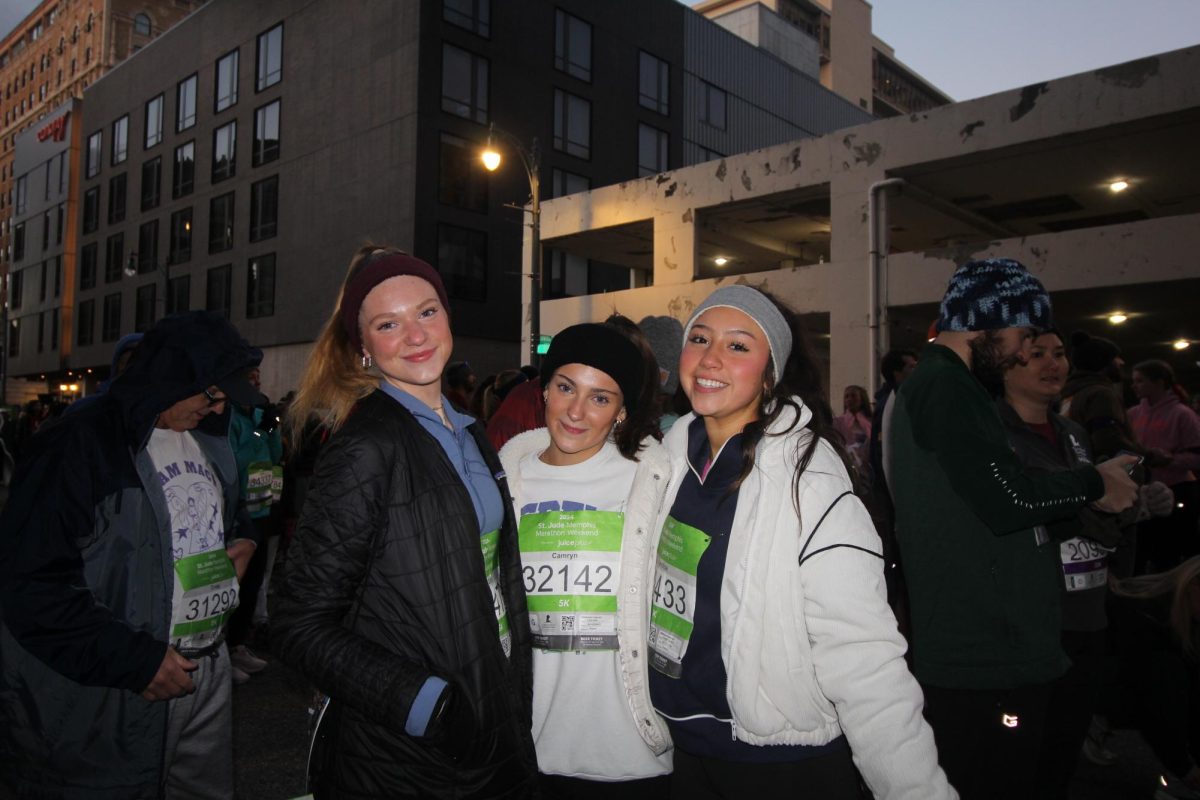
377,270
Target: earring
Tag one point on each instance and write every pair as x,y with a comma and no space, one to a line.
367,361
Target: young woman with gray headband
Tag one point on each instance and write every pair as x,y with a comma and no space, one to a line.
774,657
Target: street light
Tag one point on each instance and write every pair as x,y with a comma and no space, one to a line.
531,160
131,270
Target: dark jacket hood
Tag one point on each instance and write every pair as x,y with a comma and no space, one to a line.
181,356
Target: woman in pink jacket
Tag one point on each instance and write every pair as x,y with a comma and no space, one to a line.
1170,433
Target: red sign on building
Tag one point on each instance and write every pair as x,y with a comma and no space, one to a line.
56,130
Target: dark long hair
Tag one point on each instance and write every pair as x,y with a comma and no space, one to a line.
642,420
801,378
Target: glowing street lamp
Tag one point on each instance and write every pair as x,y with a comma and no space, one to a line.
531,160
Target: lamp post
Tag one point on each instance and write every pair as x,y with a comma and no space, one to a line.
531,160
131,270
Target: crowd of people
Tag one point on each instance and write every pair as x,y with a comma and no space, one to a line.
657,565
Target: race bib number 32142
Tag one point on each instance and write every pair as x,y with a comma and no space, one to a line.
572,562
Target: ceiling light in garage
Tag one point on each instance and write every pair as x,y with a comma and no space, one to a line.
1119,185
1117,317
720,261
1181,344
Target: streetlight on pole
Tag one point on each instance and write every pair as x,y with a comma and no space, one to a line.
531,160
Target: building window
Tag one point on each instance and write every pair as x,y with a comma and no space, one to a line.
87,266
474,15
95,146
224,152
227,80
16,286
566,274
179,294
572,45
181,236
116,199
652,150
61,223
143,309
21,198
462,261
120,140
110,324
462,179
270,58
91,210
45,231
264,208
266,135
85,323
18,239
152,183
220,284
14,338
141,24
260,286
154,120
654,77
183,174
114,257
185,103
41,330
564,183
464,83
62,173
712,105
147,255
58,276
220,223
572,124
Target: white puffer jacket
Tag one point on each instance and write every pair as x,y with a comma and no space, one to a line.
813,650
638,543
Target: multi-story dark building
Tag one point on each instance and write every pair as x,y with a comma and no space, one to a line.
266,141
46,61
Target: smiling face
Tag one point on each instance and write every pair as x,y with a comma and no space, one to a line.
723,366
1041,378
407,331
582,405
187,413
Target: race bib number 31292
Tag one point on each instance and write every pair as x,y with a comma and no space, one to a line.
673,609
572,562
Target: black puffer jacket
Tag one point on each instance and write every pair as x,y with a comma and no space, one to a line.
384,586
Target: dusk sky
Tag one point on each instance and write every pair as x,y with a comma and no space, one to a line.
970,48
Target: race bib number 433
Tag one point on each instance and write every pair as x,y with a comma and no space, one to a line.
572,562
673,609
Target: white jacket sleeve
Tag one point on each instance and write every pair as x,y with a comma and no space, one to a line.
857,650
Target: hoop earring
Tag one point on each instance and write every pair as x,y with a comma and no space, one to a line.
367,361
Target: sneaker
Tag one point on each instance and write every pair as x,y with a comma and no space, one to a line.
240,676
1171,788
244,659
1094,749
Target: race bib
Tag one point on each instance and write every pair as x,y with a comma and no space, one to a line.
259,479
491,567
673,609
1084,564
206,593
572,562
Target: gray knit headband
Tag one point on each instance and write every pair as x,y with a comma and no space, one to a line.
754,304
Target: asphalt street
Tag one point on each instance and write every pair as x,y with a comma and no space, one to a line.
271,740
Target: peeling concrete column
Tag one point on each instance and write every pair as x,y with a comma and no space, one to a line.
674,248
848,289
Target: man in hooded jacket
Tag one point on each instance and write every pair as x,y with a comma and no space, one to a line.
119,561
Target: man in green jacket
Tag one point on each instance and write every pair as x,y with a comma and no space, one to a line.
983,585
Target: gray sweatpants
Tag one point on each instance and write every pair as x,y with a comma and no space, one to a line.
198,757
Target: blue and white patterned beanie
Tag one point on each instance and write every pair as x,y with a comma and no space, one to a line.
991,294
